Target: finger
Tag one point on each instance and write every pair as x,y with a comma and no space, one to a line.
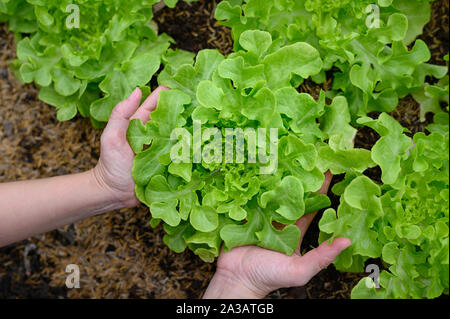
304,222
307,266
151,101
143,113
326,183
120,115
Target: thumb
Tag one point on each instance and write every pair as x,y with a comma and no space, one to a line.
120,115
310,264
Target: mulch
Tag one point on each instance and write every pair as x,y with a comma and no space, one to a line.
119,254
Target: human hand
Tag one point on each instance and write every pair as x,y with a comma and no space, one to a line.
113,170
253,272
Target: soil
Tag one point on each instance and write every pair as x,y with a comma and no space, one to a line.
119,254
193,27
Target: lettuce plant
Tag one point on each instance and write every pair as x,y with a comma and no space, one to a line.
86,68
364,44
405,221
204,203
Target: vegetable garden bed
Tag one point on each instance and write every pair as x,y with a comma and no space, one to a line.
119,255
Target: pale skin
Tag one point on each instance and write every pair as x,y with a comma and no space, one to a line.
28,208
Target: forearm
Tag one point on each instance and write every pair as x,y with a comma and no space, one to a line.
32,207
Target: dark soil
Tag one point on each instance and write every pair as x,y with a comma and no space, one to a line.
193,27
436,33
119,255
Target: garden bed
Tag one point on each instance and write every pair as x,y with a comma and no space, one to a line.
119,254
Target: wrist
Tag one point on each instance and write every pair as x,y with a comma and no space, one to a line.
225,286
111,198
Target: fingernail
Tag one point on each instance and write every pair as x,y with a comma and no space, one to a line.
133,94
346,242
